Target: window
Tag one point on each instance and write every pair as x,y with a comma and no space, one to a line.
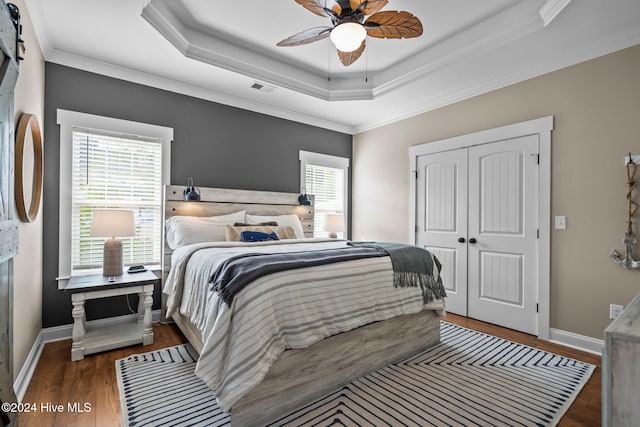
116,172
326,177
115,164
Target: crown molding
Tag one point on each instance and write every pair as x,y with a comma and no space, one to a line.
525,72
431,66
551,9
611,44
512,23
39,22
159,82
160,17
209,49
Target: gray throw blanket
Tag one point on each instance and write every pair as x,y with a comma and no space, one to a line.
412,267
235,273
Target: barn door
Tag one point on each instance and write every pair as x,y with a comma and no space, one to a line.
8,226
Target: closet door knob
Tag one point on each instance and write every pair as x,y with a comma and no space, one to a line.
472,240
461,240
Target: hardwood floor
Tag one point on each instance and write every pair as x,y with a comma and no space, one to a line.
59,381
92,381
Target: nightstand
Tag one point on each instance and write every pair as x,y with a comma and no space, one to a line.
96,339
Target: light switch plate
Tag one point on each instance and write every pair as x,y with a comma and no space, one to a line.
561,222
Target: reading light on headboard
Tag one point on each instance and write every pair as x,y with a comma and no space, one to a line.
191,193
304,198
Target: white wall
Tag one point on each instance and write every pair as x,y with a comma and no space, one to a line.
27,285
596,106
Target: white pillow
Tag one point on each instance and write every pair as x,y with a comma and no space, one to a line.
283,221
185,230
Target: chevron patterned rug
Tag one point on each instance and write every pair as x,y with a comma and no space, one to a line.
469,379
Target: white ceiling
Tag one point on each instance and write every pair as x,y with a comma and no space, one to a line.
217,49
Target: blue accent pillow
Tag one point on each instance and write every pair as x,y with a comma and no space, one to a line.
257,236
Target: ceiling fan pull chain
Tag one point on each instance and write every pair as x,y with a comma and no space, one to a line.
329,62
366,66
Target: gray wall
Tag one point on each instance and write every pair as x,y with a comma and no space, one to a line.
217,145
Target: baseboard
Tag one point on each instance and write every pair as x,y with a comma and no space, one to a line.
58,333
577,341
23,379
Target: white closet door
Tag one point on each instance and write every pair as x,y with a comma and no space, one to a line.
502,249
441,217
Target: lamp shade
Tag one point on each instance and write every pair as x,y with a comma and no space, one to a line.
334,223
348,36
112,223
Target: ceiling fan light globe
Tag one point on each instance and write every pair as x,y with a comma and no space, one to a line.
348,36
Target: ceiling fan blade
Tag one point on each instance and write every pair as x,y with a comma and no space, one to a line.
367,7
318,6
348,58
307,36
393,24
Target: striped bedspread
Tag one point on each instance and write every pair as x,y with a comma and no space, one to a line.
289,309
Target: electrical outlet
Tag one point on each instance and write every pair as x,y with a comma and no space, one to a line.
615,311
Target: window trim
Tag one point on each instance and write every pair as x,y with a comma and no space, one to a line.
329,161
68,120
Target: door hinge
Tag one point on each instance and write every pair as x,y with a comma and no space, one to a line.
537,156
537,308
417,228
538,233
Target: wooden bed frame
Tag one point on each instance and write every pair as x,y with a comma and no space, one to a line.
300,376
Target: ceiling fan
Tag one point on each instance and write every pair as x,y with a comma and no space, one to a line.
350,25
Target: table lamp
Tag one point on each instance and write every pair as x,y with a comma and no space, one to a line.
334,224
112,223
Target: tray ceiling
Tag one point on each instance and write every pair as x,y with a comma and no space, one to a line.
218,50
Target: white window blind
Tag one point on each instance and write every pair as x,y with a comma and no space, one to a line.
116,171
327,185
326,178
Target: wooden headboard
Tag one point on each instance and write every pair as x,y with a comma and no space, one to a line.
221,201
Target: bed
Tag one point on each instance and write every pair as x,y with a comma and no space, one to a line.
308,362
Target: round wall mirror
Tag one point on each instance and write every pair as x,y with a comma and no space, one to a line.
28,179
